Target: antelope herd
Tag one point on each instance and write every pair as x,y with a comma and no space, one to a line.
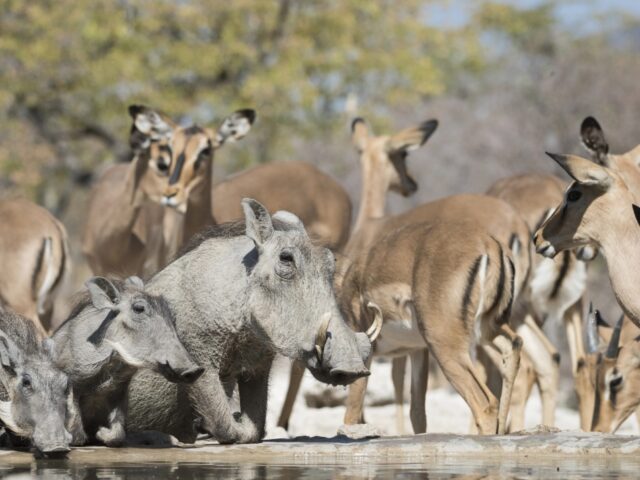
264,263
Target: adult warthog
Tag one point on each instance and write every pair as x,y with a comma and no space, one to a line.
35,397
241,293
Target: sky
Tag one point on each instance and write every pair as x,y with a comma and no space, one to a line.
580,14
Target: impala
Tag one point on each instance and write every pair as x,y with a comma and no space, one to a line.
34,260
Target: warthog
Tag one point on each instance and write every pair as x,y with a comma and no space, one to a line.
116,329
241,293
34,394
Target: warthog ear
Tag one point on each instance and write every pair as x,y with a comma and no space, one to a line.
234,127
412,138
259,227
135,281
290,219
593,139
583,171
103,292
148,126
10,354
359,133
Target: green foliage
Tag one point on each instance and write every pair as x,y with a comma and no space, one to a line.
530,30
69,68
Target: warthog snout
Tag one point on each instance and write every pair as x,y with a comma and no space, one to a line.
52,444
341,354
187,374
340,376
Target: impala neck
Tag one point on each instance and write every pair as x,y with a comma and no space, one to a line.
199,213
370,213
372,197
621,249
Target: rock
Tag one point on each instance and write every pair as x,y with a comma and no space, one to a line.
359,431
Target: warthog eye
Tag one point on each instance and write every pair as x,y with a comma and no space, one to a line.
573,195
139,307
286,257
26,383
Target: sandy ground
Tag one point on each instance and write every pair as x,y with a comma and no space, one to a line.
446,411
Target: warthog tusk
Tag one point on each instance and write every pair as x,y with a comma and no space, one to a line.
376,326
321,336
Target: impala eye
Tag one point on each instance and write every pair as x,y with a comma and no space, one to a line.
162,165
573,195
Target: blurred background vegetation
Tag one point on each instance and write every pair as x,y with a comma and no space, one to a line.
507,80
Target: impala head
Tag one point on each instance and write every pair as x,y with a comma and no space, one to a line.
173,160
384,158
617,376
596,195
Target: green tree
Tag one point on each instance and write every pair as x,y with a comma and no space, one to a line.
69,68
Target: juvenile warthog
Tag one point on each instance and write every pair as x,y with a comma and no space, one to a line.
34,394
115,330
241,293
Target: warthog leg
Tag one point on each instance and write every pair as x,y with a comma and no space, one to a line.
254,391
211,403
115,435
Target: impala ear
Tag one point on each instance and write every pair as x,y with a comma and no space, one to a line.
234,127
636,212
593,139
148,126
412,138
583,171
359,134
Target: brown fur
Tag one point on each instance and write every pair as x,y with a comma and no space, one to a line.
27,270
298,187
534,196
129,230
440,274
383,163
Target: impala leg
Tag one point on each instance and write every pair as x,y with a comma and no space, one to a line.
398,367
522,387
508,344
419,379
545,360
295,379
457,366
573,326
355,400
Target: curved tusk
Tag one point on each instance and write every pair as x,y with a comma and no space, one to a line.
376,326
321,336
